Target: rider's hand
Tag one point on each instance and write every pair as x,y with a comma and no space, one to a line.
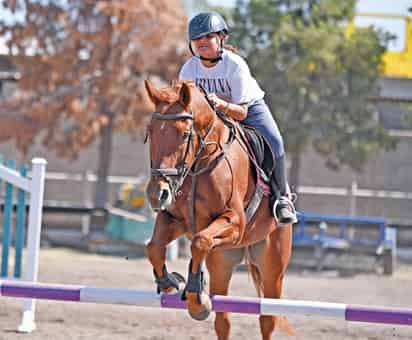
217,103
234,111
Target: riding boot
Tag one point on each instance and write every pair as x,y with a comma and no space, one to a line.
282,203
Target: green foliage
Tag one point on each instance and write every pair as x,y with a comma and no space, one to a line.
317,77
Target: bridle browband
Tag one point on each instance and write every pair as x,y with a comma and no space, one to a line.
175,116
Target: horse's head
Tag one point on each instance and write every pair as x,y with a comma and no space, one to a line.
177,133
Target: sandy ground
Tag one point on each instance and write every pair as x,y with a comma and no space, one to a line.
66,320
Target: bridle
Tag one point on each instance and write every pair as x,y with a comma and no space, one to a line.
176,176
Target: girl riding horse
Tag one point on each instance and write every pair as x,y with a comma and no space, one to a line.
234,91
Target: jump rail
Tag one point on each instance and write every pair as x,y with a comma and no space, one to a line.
245,305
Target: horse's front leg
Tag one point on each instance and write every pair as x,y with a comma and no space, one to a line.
224,230
165,231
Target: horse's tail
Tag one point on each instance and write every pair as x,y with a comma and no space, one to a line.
253,270
281,321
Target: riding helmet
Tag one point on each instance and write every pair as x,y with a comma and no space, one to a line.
205,23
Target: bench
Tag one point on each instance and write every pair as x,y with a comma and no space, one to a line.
350,234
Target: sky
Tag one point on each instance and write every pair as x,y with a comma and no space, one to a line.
375,6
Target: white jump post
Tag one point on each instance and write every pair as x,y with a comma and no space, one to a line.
35,187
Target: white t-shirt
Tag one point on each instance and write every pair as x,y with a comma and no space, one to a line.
230,78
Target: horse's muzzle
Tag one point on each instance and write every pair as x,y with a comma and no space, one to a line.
159,194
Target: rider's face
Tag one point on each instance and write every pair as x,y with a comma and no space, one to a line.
208,45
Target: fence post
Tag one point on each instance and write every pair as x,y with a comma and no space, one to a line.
184,247
20,225
33,243
172,250
87,201
352,198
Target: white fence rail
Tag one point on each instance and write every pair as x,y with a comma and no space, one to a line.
353,192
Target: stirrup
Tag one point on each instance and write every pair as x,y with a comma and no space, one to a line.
284,202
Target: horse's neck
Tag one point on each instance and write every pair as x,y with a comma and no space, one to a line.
221,131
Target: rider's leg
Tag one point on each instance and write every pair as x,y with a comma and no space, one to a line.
283,207
260,117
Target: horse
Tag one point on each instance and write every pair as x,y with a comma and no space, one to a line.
202,179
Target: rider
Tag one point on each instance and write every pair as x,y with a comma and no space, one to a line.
234,91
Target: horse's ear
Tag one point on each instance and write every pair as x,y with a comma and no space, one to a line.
185,96
152,92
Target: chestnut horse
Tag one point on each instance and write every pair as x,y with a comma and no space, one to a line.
201,182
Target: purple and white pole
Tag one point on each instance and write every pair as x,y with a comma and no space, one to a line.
21,289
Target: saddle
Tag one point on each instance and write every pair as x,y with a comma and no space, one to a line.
260,152
259,149
261,156
262,160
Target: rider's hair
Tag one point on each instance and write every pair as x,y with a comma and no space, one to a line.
226,46
231,48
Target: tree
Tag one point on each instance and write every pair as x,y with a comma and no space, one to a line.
317,77
82,66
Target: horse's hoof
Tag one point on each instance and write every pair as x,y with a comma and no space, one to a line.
198,311
200,316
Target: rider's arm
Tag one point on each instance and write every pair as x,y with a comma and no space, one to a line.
234,111
244,89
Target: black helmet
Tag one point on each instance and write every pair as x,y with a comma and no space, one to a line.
205,23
